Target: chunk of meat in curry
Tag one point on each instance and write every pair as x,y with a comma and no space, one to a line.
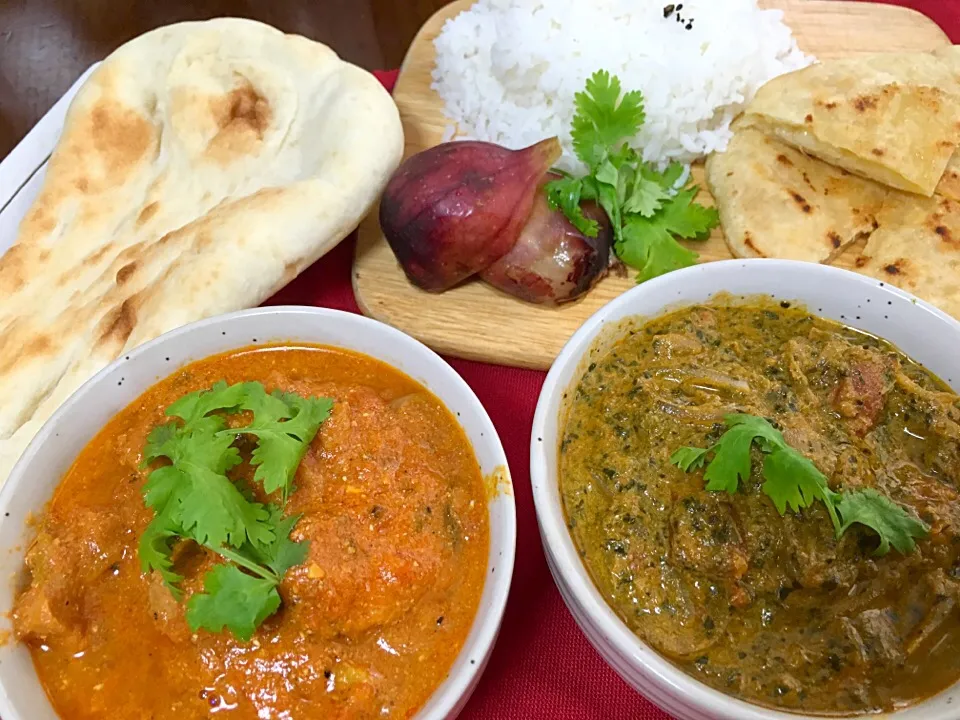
392,503
770,609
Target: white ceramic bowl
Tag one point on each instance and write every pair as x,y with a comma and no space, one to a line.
919,330
40,469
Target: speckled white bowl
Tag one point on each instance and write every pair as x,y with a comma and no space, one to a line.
918,329
38,472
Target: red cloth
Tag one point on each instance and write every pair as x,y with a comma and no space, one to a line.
542,668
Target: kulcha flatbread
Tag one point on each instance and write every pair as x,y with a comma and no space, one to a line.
775,201
891,118
201,168
949,185
917,248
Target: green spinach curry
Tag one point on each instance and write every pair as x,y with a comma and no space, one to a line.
771,607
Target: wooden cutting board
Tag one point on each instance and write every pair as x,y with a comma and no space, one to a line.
475,321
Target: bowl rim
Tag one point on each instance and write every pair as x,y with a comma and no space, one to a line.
592,612
455,688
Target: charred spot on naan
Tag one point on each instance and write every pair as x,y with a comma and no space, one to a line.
118,324
147,213
243,116
125,273
97,255
37,223
36,346
103,149
12,270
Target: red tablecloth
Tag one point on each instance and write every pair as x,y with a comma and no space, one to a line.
542,667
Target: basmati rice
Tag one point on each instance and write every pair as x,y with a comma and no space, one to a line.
507,70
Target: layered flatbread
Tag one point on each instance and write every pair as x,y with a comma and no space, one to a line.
202,167
917,248
891,118
949,185
775,201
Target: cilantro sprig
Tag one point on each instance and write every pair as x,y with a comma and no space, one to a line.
793,482
646,210
194,499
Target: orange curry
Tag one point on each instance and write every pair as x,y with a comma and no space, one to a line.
392,503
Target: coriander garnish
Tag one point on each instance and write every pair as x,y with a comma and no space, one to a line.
645,208
792,481
194,499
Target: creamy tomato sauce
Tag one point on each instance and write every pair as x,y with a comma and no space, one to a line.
392,503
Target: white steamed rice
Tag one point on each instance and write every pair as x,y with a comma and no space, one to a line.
507,70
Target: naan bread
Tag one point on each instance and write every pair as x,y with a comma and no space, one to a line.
917,248
891,118
201,168
777,202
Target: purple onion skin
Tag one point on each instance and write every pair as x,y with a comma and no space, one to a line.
453,210
552,262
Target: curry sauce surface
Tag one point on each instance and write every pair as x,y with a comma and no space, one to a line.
770,609
392,503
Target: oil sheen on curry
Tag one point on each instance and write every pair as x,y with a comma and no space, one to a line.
390,523
767,607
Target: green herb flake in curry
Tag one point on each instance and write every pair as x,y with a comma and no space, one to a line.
764,603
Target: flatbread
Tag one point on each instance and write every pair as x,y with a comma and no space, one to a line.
949,185
891,118
201,167
775,201
917,248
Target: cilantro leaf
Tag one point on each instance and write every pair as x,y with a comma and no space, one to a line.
647,210
161,442
601,122
607,197
163,486
214,512
649,248
194,491
731,459
232,599
564,195
690,458
793,482
671,175
890,521
284,436
194,498
687,219
156,552
646,197
590,189
196,405
607,174
283,553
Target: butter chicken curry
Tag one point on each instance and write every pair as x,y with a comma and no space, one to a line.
204,556
771,501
